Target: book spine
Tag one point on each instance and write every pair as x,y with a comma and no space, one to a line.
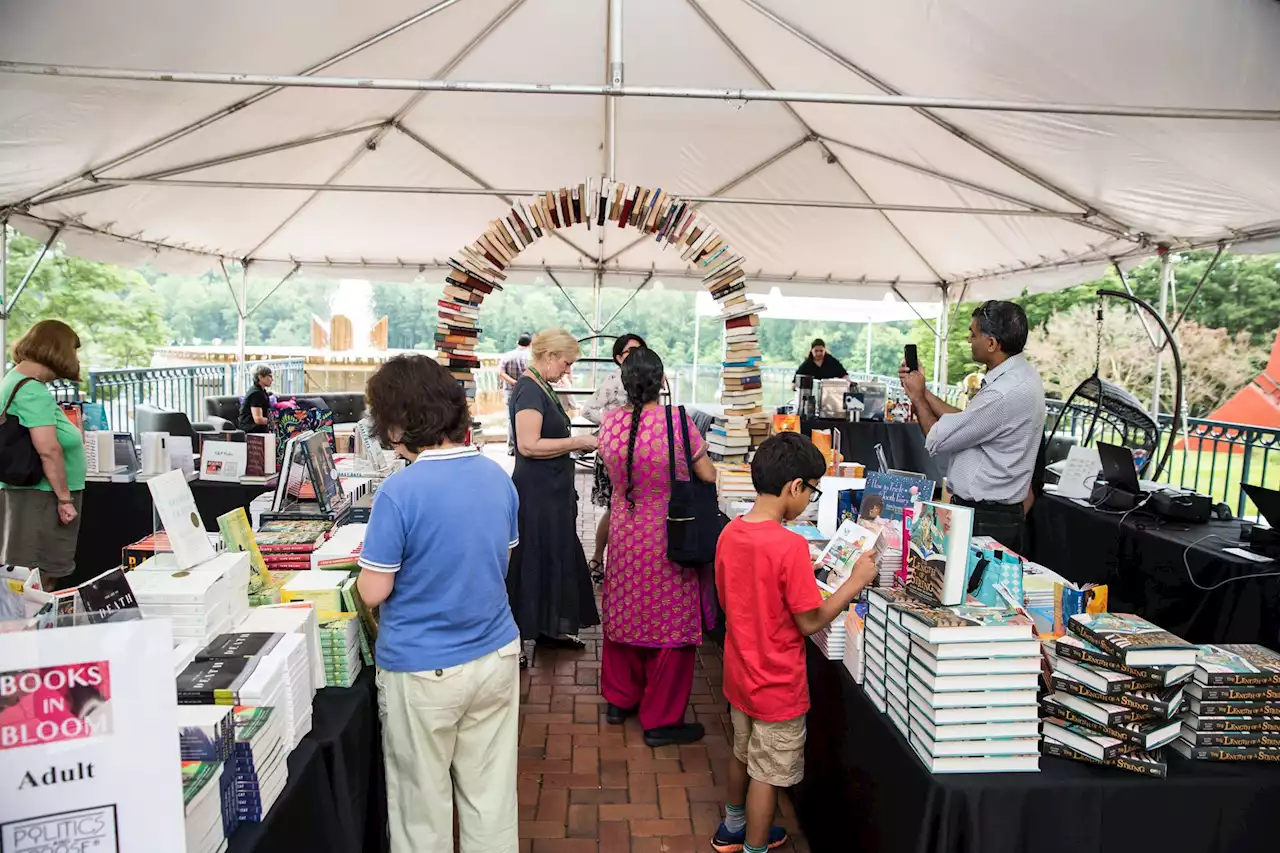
1269,725
1239,709
1102,641
1240,693
1113,717
1221,753
1241,679
1143,678
1235,739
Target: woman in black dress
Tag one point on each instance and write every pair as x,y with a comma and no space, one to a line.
549,584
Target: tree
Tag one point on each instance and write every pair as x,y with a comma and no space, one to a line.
1215,364
116,313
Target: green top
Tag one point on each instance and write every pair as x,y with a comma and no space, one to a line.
35,407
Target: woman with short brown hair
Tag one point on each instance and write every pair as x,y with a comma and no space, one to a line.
42,522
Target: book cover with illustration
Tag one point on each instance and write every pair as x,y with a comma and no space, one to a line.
851,541
964,623
1234,692
1143,734
1161,702
1133,640
786,423
1078,649
237,535
1237,665
938,553
884,498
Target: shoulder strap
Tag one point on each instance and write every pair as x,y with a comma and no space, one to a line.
671,444
688,450
16,389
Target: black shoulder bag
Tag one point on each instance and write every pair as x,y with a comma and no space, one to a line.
693,513
19,462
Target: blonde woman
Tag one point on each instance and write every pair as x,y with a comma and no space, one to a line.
549,585
39,524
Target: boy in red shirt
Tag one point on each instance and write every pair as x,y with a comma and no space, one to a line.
764,576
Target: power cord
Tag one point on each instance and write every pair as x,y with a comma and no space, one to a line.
1187,565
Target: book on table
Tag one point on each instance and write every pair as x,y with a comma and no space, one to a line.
1082,651
974,764
1095,744
1237,665
1201,723
1153,763
1198,737
1233,692
964,623
1163,702
1132,639
1227,753
938,552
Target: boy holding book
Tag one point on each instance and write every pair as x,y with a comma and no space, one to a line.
764,576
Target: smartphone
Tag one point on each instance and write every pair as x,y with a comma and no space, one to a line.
910,356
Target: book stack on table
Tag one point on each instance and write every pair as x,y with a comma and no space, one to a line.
289,545
298,619
729,440
1233,705
340,642
1118,683
206,732
733,483
200,602
341,552
208,797
960,682
261,761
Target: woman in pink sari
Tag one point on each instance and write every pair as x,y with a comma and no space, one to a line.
652,607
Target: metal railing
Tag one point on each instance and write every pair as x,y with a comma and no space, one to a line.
1215,457
182,389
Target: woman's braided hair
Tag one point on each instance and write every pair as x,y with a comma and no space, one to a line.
642,380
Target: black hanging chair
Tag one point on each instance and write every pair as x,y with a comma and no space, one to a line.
1099,400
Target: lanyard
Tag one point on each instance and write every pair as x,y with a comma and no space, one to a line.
546,387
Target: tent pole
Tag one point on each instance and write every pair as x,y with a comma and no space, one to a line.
1166,276
868,369
4,288
6,308
242,324
697,342
944,324
597,90
1124,280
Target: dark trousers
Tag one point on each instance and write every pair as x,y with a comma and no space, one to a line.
1004,523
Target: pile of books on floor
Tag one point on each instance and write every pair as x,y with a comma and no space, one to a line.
1117,683
250,668
200,602
290,545
342,550
1233,705
341,648
729,440
958,682
208,797
261,761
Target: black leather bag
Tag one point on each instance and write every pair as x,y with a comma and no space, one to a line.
19,462
693,513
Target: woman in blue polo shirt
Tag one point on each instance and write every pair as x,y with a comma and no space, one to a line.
435,559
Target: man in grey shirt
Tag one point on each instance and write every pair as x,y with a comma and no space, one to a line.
992,445
511,366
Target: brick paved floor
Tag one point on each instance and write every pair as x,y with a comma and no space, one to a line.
588,787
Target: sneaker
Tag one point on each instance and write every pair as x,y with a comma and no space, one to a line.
725,841
668,735
616,716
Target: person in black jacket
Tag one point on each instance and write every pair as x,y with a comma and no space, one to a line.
821,364
255,410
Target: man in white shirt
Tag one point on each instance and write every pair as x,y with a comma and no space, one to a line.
511,366
992,444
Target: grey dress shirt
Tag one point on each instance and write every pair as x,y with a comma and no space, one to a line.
992,444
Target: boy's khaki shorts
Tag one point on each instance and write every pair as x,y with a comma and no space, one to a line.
773,752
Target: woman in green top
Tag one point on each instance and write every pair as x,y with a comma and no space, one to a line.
41,523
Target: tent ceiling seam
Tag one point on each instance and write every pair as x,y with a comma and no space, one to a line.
941,122
791,110
247,102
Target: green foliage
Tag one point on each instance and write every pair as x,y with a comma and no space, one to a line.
117,314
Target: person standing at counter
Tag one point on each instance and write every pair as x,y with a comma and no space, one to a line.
992,444
821,364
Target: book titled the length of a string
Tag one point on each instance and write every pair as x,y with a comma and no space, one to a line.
1238,665
1153,763
1143,734
1163,702
1081,650
964,623
1134,640
1231,724
1227,753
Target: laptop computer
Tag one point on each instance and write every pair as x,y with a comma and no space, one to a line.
1267,501
1118,468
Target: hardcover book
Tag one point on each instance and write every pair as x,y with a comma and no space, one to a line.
1103,682
1098,746
965,623
1205,708
1238,665
1144,734
1232,724
1235,693
884,498
1230,739
1152,764
1077,649
1132,639
1227,753
1105,713
938,553
1155,703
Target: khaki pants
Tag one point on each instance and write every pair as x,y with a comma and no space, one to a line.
451,735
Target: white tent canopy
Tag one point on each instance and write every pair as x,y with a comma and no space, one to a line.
340,167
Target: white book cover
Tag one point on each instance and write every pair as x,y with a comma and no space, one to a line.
181,453
84,768
155,453
176,507
224,461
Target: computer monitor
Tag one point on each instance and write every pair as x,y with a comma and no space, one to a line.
1267,501
1118,468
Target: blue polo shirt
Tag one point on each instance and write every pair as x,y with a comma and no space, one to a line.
444,526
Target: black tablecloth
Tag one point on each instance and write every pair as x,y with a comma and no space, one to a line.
1144,561
864,789
335,800
118,514
903,444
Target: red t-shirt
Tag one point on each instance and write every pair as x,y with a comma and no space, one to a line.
764,575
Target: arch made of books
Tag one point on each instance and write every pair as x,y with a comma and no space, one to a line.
478,269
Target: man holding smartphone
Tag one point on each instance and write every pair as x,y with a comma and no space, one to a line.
992,444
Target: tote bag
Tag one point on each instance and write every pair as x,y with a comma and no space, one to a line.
693,512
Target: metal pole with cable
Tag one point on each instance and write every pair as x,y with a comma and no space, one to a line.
1166,275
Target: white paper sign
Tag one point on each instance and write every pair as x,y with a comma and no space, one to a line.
177,510
1078,475
84,760
223,461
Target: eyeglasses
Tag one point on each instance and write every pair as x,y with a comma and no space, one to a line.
815,492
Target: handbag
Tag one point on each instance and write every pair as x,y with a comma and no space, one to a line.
693,511
20,464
